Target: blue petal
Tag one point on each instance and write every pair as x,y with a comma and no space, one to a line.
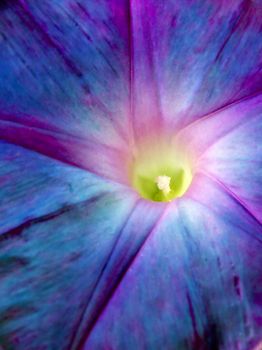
66,66
67,239
59,226
235,161
196,284
33,186
194,57
82,263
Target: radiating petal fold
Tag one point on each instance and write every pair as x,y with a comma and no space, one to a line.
236,162
194,285
107,69
67,239
59,226
35,186
137,229
200,135
85,264
68,64
106,161
191,58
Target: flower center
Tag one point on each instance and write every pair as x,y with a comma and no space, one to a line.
163,184
160,172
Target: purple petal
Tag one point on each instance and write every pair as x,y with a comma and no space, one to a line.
192,286
34,186
60,228
235,163
83,262
200,135
67,64
103,160
191,58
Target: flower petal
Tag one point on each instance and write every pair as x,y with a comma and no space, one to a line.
65,251
199,136
126,66
192,286
59,227
81,246
34,186
106,161
235,161
49,271
57,274
66,65
191,58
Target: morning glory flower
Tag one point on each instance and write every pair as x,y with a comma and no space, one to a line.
131,175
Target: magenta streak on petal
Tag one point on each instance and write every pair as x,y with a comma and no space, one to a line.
93,101
246,6
74,18
224,107
96,158
205,190
197,341
122,257
30,21
90,99
232,195
25,62
86,35
146,109
237,285
29,121
16,231
16,51
203,133
131,72
83,316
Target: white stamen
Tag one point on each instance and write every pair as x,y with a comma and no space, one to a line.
163,183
